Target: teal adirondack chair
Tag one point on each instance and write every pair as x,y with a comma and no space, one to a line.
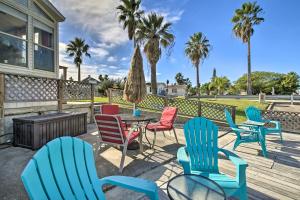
244,133
65,169
254,114
200,156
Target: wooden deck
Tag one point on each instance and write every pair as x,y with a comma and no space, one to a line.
275,177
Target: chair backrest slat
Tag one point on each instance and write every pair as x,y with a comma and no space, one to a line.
46,174
56,159
229,119
70,167
110,128
253,114
32,182
82,170
202,144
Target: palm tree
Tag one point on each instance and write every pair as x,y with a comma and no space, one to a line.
155,34
244,20
129,14
167,85
197,49
77,48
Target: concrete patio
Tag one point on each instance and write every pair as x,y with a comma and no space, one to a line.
276,177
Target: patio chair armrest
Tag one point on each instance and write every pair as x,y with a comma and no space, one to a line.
244,130
277,123
136,184
183,159
239,163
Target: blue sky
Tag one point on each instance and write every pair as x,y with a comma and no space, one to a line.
275,44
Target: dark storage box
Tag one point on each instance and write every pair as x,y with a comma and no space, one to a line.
35,131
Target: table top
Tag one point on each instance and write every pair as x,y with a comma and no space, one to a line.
194,187
131,118
254,123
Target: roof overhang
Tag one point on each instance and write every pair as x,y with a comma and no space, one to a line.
52,10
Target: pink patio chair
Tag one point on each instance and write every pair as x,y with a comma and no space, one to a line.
112,132
166,123
109,109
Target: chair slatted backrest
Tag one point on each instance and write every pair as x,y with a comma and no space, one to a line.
168,116
109,109
110,128
253,114
63,169
229,119
201,137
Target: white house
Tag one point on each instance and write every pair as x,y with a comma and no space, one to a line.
161,88
172,90
29,37
177,90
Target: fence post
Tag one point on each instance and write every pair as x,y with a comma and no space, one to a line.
199,108
166,101
92,102
292,99
2,98
60,95
233,113
109,96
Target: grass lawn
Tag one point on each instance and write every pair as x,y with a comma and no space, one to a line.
98,100
241,104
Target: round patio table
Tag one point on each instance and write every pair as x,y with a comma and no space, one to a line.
194,187
129,119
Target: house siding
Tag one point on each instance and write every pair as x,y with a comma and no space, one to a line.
32,15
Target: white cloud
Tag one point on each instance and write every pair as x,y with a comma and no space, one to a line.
96,17
124,58
99,52
172,16
112,59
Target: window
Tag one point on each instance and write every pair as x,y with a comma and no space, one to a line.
13,37
174,90
43,48
23,2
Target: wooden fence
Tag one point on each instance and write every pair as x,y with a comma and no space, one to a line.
186,107
20,88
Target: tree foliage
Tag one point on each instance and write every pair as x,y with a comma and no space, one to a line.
77,48
264,81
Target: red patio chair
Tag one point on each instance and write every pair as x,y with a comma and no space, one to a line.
112,132
109,109
166,123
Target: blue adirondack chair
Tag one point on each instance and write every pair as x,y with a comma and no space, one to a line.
244,133
200,156
254,114
65,169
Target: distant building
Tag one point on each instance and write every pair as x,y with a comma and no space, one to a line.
177,90
90,80
29,37
172,90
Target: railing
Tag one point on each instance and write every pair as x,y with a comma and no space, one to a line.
186,107
290,121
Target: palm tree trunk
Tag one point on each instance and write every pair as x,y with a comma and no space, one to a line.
249,84
153,79
79,72
197,79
